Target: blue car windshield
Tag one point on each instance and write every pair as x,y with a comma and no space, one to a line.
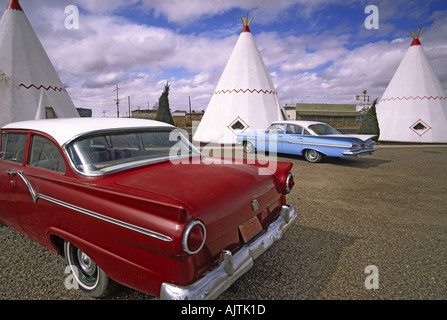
322,129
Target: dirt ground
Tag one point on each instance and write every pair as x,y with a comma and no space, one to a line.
388,210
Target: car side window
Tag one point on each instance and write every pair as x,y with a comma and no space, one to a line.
276,129
13,147
44,154
306,132
293,129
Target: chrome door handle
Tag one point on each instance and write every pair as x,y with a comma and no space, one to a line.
11,173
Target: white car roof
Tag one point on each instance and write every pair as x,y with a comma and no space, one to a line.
302,123
64,130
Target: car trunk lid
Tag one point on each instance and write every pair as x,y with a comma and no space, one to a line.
221,195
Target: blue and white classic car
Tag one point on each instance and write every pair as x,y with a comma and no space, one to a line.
312,139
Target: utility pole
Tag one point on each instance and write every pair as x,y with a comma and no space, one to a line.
190,115
117,102
128,103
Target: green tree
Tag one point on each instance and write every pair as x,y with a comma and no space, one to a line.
163,112
370,125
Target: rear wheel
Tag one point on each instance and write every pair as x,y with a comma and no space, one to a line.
88,275
313,156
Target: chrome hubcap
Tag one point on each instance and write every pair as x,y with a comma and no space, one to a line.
248,147
87,265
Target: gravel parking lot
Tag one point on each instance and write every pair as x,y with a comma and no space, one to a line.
388,210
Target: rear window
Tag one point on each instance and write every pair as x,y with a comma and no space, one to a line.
322,129
113,151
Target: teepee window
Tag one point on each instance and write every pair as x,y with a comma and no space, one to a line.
238,125
420,127
49,113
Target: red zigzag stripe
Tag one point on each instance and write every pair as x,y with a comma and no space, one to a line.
42,87
414,98
245,91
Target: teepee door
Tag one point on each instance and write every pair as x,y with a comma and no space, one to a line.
49,113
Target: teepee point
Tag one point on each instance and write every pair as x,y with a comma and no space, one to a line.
416,41
14,5
246,24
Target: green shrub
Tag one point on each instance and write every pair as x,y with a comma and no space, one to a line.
163,112
370,125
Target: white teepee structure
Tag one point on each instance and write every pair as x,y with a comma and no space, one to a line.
413,107
245,98
30,88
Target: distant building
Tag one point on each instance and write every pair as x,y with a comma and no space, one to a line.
343,114
290,111
195,115
144,114
179,117
180,114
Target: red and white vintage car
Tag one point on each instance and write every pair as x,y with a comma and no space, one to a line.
112,196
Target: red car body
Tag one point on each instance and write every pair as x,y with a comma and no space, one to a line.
172,230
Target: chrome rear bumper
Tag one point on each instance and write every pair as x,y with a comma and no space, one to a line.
360,152
233,266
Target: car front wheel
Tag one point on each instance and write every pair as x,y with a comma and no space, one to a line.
313,156
88,276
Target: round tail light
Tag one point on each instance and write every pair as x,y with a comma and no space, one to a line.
193,237
289,183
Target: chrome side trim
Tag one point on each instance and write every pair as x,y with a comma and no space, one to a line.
305,143
34,195
326,145
93,214
233,266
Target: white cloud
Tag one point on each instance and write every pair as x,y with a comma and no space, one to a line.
108,50
292,61
181,11
315,67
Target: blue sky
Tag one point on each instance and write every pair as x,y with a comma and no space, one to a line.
316,51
